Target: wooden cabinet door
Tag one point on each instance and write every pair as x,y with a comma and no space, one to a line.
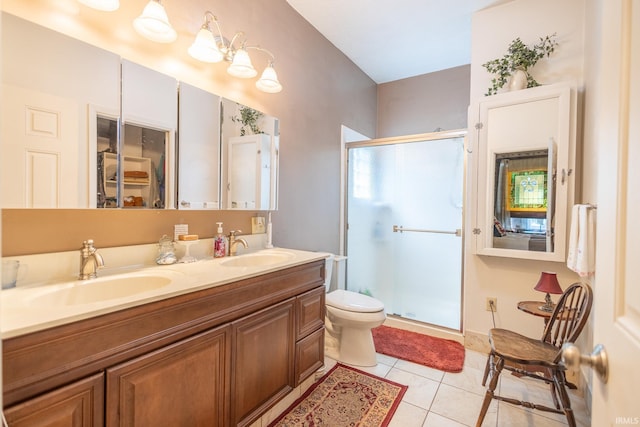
263,361
78,404
184,384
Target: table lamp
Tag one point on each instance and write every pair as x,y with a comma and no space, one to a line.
548,283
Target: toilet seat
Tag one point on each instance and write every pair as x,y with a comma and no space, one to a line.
353,302
355,319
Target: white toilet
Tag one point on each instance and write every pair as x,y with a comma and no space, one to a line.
349,319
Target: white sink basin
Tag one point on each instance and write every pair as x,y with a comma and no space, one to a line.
99,290
257,260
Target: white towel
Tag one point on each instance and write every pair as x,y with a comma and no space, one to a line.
582,245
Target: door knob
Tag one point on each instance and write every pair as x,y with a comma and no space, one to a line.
597,360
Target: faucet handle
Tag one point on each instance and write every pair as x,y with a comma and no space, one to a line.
234,232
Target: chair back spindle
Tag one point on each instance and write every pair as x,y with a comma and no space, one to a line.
569,316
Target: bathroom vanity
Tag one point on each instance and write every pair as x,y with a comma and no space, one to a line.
223,352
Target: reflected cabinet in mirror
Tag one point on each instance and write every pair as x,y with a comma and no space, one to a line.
84,128
134,167
250,144
525,145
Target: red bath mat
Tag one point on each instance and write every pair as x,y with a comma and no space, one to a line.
438,353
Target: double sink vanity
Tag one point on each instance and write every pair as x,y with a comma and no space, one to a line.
216,342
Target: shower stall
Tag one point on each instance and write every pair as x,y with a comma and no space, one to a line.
404,225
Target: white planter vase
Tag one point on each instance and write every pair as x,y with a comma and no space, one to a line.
518,80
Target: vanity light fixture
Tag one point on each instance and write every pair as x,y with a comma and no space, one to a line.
104,5
211,48
154,24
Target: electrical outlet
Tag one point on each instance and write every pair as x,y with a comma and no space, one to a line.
490,301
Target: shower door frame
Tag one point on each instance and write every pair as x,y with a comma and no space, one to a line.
423,137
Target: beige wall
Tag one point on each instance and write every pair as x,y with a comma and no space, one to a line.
322,91
424,103
512,280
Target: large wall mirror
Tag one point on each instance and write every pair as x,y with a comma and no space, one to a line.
83,128
526,172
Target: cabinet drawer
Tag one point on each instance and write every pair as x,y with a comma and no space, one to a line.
309,355
309,312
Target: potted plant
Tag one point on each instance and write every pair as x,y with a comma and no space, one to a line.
248,118
519,57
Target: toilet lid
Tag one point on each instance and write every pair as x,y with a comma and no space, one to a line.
353,301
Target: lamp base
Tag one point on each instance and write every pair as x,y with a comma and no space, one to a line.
548,304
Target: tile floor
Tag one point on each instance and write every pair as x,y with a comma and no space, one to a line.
439,399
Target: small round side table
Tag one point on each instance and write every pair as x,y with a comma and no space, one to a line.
533,307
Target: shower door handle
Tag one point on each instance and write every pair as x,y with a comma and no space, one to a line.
401,229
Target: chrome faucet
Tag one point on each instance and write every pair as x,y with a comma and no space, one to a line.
233,242
90,261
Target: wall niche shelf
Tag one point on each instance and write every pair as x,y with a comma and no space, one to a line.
136,179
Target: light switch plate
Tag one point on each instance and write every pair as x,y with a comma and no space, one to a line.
257,225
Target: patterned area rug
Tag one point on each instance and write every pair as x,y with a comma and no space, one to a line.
438,353
345,396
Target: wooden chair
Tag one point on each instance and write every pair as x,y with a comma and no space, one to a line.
539,358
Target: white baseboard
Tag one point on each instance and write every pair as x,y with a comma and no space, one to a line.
477,341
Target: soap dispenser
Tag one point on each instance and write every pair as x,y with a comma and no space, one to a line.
219,243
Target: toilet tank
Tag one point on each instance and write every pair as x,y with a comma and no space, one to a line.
339,273
328,272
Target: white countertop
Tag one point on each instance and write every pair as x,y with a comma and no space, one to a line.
26,309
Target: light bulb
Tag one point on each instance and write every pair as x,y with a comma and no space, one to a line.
241,65
104,5
154,25
269,81
204,47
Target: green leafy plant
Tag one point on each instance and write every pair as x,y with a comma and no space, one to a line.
248,118
519,56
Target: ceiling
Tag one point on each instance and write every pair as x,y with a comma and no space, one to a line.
395,39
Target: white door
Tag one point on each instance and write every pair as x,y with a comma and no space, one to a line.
40,151
617,285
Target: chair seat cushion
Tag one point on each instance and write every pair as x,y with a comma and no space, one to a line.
521,349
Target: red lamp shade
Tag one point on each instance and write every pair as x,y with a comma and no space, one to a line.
548,283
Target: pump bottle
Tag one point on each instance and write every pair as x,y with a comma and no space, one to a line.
219,243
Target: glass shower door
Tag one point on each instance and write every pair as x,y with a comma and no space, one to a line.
404,220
